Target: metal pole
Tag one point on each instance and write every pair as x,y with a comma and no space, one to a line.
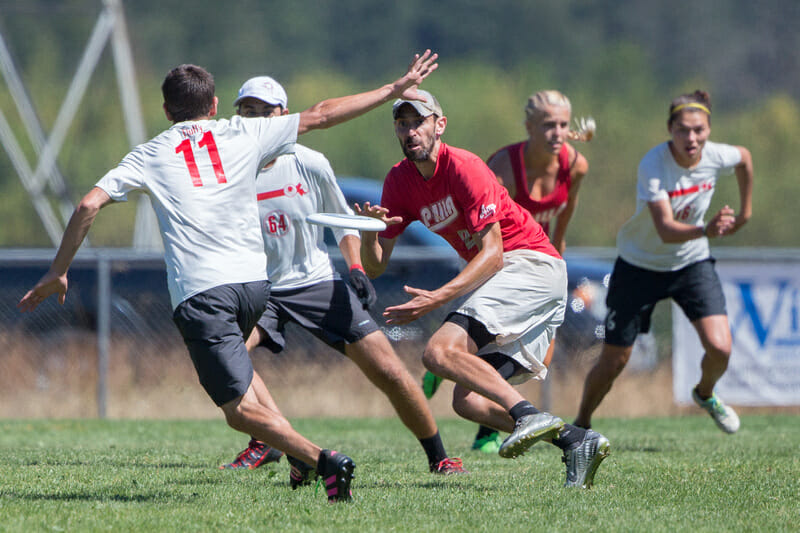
103,331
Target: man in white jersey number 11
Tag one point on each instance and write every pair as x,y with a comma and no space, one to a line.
307,291
200,176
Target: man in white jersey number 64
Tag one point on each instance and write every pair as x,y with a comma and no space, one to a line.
200,176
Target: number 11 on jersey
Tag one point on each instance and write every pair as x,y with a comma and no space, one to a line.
209,144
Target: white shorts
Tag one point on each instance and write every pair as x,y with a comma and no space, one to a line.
523,305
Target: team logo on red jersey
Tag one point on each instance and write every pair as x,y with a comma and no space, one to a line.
438,214
487,211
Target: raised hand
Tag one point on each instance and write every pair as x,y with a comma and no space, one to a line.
419,69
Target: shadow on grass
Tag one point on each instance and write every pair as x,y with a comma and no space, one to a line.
94,497
110,464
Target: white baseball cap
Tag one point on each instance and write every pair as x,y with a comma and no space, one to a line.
429,107
265,89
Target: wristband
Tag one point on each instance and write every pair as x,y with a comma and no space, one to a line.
356,266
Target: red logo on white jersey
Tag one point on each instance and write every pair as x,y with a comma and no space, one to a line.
439,214
288,190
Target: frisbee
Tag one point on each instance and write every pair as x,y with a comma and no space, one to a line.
340,220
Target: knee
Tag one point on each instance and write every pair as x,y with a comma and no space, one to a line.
435,358
462,404
244,412
718,345
613,360
235,413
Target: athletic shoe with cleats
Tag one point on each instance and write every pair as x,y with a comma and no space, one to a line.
301,473
725,417
430,384
256,454
449,465
529,430
489,444
583,460
336,470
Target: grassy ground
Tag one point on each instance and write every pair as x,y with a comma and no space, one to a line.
664,474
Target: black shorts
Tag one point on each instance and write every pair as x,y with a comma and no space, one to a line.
633,293
330,310
505,365
214,324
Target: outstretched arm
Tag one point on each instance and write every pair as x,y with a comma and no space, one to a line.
483,266
55,280
375,250
334,111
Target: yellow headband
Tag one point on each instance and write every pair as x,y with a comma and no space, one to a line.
694,105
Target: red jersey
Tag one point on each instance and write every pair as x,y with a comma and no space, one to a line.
545,209
460,199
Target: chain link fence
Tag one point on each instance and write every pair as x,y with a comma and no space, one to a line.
112,349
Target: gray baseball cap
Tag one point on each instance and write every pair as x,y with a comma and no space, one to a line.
426,109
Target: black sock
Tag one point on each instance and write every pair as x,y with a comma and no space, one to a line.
569,437
484,431
521,409
434,449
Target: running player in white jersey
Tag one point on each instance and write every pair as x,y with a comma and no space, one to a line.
200,176
664,253
307,290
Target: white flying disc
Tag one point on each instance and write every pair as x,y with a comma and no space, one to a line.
339,220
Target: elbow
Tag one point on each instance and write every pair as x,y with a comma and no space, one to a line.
314,119
88,208
667,237
373,271
495,262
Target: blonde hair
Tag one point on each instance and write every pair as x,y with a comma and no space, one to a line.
538,102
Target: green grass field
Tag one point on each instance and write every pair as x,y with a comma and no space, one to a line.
664,474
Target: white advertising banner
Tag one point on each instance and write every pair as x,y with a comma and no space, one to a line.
763,302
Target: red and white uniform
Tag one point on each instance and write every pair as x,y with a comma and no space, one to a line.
689,192
523,303
460,199
295,186
201,178
550,206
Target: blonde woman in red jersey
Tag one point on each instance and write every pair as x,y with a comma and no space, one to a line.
544,173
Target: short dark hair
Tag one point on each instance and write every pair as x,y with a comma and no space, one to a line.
188,92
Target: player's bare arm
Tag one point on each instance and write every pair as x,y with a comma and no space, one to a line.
350,246
55,280
375,251
483,266
334,111
673,231
579,170
744,178
500,164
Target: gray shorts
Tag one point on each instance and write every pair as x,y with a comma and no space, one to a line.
330,310
212,324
